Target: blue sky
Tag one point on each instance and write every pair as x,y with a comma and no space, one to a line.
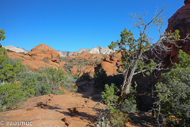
69,25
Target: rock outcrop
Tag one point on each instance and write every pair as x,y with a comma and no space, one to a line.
110,64
83,62
39,57
181,21
43,52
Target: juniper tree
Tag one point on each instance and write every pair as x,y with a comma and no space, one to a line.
2,50
7,71
2,36
135,51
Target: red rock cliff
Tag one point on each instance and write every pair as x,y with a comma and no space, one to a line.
181,21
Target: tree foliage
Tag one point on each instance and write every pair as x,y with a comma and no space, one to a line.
109,94
10,94
114,116
136,51
3,55
2,36
184,60
55,77
8,72
173,90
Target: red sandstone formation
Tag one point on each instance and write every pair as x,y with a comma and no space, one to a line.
44,52
181,21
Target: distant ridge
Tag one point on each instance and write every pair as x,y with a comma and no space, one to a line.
16,49
96,50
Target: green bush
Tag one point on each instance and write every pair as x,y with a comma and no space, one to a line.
71,79
10,94
33,83
3,55
70,87
109,94
54,77
130,105
115,116
174,95
173,91
184,60
8,71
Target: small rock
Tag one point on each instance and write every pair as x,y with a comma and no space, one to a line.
51,95
32,108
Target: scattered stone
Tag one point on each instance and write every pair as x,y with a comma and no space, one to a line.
41,104
74,112
93,120
51,95
32,108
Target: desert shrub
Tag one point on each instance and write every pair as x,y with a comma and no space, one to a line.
114,115
96,61
103,123
70,60
76,76
43,89
10,94
109,94
174,95
129,104
33,83
71,79
117,118
70,87
8,72
173,91
54,77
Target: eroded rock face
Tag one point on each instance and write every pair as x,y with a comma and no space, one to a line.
181,21
109,64
45,53
39,57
